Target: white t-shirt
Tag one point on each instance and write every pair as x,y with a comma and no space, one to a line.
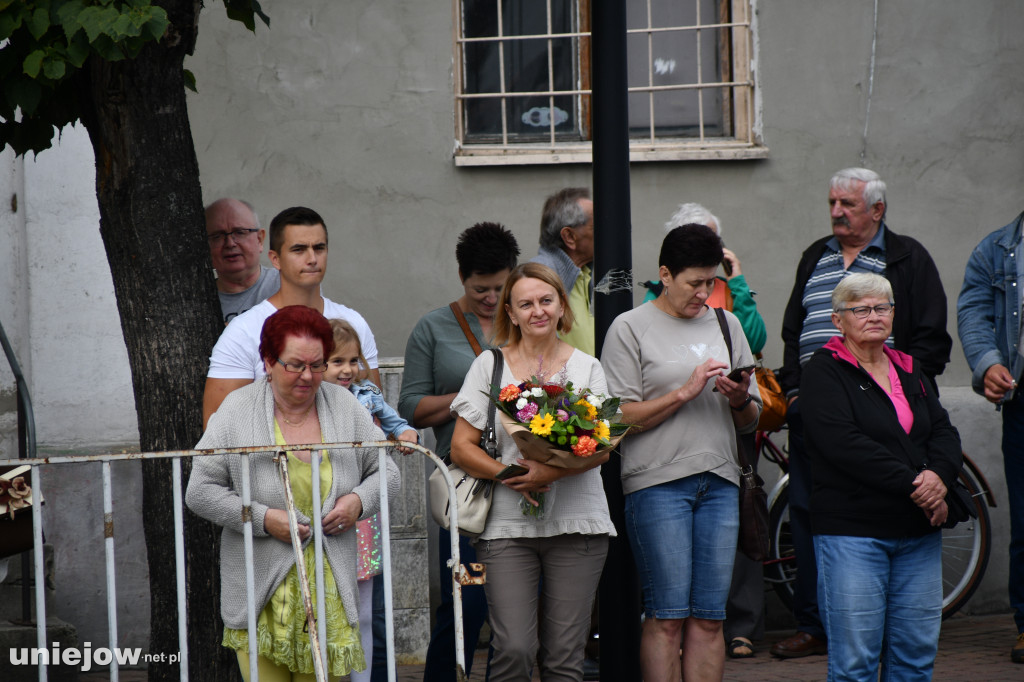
237,353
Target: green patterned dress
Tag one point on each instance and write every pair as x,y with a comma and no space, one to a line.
281,625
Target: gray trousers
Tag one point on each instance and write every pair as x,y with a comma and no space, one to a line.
555,578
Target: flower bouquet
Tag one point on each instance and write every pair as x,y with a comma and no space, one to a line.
557,424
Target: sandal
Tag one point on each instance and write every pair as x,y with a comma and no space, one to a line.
740,647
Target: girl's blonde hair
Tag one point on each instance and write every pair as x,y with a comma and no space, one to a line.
345,334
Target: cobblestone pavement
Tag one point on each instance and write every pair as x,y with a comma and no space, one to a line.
971,649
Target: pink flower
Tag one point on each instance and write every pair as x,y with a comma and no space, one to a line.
527,413
562,415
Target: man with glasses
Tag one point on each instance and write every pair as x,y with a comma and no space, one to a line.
298,250
989,322
236,242
860,242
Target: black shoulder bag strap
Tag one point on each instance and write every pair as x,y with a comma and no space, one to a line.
740,446
489,439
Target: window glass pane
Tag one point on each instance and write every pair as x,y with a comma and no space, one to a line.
526,70
673,60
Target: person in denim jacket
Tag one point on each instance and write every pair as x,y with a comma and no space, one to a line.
988,314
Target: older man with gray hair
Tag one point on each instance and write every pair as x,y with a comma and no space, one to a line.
567,247
236,242
861,241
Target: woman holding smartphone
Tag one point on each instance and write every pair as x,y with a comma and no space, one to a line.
668,362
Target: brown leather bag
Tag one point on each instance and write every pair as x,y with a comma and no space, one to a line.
773,410
754,537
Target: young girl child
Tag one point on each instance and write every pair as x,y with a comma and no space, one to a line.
347,367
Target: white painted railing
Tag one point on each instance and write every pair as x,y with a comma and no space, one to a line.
460,575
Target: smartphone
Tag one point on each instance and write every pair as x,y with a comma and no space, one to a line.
735,375
727,267
511,471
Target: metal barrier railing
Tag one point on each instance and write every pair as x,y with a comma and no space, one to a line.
460,576
26,450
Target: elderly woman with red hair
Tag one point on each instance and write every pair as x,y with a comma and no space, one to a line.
292,406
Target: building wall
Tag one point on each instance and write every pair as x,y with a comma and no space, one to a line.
347,108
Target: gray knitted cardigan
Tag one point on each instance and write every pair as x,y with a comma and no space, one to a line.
246,417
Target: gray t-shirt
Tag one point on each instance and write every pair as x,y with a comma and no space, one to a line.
232,305
648,353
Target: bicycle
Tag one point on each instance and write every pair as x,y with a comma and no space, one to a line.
965,548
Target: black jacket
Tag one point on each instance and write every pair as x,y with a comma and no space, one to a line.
862,461
919,325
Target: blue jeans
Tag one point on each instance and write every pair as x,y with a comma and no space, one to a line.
1013,465
881,599
440,665
683,535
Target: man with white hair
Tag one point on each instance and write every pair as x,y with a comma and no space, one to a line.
861,241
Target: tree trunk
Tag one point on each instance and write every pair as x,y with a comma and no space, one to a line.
152,224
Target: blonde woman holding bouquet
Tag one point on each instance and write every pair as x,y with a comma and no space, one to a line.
548,558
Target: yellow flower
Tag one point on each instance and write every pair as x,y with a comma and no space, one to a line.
541,425
591,410
601,430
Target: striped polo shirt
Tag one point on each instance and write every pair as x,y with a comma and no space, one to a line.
817,301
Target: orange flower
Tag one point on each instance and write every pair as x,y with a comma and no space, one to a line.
510,392
585,447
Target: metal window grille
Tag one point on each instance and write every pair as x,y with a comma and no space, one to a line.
523,81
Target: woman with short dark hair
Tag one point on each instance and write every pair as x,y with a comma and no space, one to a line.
667,361
437,357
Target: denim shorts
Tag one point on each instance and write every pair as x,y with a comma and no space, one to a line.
683,535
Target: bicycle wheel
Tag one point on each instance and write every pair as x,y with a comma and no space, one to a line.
965,550
780,568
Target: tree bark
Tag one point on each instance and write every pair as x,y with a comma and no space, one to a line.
153,229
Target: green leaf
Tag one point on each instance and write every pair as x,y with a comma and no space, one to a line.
107,48
157,25
124,26
97,21
23,92
9,23
245,11
68,16
32,63
190,80
54,69
78,50
38,23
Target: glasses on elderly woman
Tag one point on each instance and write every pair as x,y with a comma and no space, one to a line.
299,368
862,311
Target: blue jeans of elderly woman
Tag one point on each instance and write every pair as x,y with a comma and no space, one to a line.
881,601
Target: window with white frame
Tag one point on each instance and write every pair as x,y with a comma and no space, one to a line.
523,79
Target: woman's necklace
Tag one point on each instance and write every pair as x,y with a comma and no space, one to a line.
540,373
305,415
